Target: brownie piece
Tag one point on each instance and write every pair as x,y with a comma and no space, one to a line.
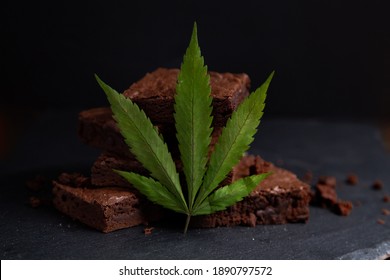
105,209
102,173
97,128
155,92
280,198
325,196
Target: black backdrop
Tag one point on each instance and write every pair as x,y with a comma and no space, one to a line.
332,58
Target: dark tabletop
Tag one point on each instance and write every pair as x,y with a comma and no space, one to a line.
337,148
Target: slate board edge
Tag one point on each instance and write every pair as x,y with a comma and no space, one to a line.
379,251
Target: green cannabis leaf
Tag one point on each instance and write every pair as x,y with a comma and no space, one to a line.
193,126
193,117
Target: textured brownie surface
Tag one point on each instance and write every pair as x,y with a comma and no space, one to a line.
105,209
154,93
280,198
97,128
102,173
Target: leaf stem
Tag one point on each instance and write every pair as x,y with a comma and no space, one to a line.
187,223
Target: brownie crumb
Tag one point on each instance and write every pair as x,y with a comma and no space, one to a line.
75,179
327,180
385,211
325,196
386,198
148,230
36,183
343,208
380,221
377,185
352,179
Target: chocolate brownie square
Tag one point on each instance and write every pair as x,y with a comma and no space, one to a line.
155,92
102,174
105,209
280,198
97,128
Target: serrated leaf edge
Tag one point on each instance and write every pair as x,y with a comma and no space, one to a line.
211,180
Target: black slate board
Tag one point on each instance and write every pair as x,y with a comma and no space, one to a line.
323,147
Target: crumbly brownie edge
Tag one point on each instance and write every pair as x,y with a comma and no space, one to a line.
110,212
102,174
154,93
97,128
273,202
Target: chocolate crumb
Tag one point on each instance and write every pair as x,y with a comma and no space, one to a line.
35,201
380,221
352,179
75,179
386,198
377,185
385,211
326,197
327,180
343,208
36,183
148,230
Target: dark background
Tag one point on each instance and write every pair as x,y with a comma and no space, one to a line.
332,58
332,63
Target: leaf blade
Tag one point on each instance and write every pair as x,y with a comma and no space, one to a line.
193,116
144,141
234,140
153,190
229,195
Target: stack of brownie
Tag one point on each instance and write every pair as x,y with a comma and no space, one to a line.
107,202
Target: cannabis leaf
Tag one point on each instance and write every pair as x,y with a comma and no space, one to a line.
234,140
193,125
145,143
193,116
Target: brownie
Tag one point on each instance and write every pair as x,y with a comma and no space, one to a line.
97,128
280,198
102,173
155,92
105,209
